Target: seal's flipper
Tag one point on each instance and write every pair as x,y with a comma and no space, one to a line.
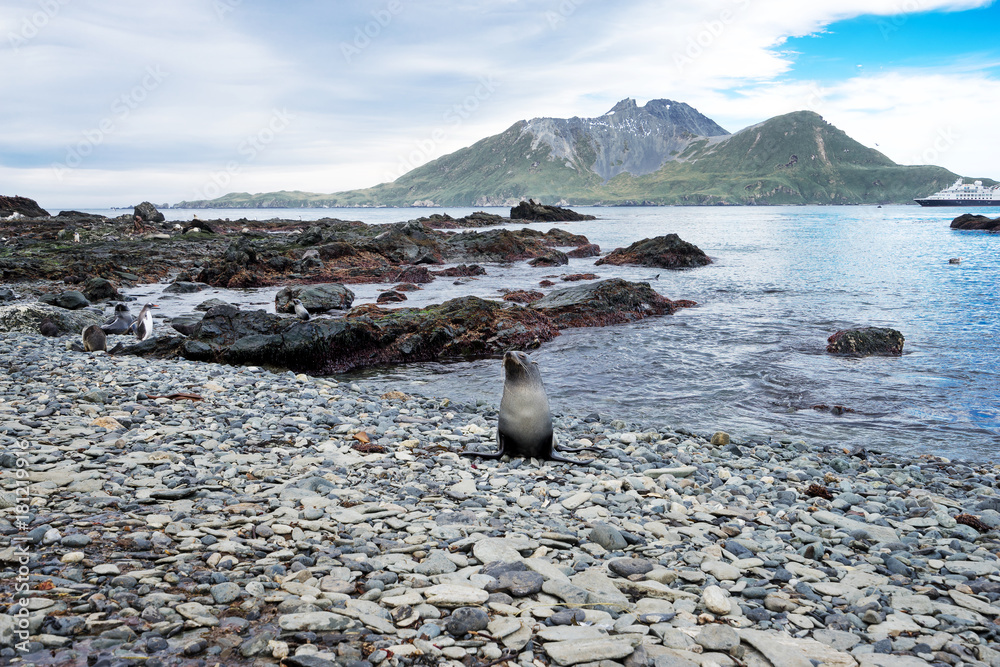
488,455
590,448
562,459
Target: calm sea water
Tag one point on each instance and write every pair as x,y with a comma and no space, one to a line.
750,358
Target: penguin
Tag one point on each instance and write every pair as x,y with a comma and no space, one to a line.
94,339
143,324
121,322
300,310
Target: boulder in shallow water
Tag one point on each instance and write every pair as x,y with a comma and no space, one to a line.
551,258
586,250
605,302
185,287
866,342
318,298
28,318
390,296
972,221
665,252
531,210
100,289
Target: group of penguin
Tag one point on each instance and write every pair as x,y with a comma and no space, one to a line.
95,336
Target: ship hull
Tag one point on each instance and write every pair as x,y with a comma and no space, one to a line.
958,202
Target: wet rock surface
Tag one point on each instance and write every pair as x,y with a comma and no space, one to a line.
605,302
973,221
366,336
276,518
320,298
666,252
866,342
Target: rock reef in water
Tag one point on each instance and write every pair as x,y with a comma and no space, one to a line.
369,335
531,210
866,342
665,252
319,298
606,302
972,221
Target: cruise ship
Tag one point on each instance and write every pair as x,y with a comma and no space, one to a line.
963,194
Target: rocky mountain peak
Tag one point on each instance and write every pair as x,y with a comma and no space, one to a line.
628,138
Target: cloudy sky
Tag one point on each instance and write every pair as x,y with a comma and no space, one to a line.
110,103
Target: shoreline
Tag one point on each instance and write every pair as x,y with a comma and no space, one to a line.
246,527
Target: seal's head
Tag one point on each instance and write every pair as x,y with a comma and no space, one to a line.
517,366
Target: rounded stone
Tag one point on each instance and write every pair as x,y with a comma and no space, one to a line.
466,619
716,600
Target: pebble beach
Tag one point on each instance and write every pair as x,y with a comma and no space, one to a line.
181,513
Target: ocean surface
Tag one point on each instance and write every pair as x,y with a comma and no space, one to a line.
750,358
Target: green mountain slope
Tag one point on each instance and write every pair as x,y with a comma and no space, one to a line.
797,158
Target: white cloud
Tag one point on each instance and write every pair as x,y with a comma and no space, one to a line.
356,120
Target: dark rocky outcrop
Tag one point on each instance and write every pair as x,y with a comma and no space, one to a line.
866,342
23,206
586,250
665,252
100,289
368,336
29,317
605,302
148,213
7,294
406,243
185,324
461,271
972,221
531,210
551,258
495,245
320,298
70,300
185,287
240,266
390,296
477,219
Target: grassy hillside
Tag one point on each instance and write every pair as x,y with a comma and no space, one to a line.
797,158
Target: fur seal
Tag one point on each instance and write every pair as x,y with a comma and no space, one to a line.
300,310
94,339
525,425
120,322
144,323
48,328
